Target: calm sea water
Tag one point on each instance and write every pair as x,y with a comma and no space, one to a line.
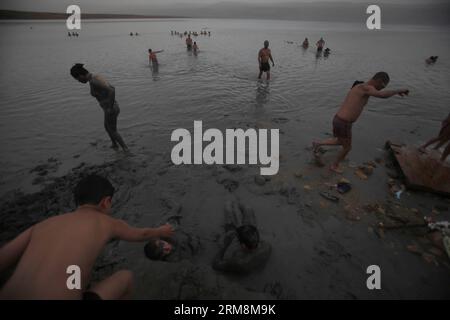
45,113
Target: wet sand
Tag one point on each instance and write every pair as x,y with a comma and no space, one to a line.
321,248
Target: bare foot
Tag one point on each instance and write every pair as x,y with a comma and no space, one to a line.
335,168
315,146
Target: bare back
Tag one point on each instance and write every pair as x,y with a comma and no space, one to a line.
264,55
75,238
354,103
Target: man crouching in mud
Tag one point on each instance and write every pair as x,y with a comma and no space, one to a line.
41,255
350,111
106,96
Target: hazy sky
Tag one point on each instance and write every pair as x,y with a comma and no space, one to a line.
105,5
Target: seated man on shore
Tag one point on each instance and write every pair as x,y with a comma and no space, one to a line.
242,250
38,259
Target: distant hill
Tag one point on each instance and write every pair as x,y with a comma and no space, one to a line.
29,15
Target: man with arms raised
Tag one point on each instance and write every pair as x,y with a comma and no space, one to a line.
350,111
39,257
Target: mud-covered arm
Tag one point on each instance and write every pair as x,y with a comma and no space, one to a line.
11,252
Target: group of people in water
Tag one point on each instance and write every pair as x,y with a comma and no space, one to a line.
73,34
190,33
320,45
38,258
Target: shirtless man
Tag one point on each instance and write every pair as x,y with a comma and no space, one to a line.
350,111
189,42
40,256
320,44
106,96
305,43
153,60
263,59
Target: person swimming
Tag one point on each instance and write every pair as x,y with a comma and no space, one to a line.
431,59
195,47
106,96
327,52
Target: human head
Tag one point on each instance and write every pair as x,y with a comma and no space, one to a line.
149,50
266,44
157,249
79,73
381,80
94,190
248,236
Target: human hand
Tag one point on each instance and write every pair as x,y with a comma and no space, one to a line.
166,231
403,92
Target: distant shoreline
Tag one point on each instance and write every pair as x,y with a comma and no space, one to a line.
31,15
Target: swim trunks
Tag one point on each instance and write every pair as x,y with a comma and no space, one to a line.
342,129
90,295
265,66
189,46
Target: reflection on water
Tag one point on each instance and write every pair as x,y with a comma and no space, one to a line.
45,113
262,93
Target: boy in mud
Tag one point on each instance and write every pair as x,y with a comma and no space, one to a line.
39,257
264,55
350,111
442,138
242,251
106,96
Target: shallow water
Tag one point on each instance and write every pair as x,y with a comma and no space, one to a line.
45,113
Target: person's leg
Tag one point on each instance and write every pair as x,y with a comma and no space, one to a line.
446,152
268,75
430,142
112,124
260,72
327,142
346,147
443,140
108,130
117,286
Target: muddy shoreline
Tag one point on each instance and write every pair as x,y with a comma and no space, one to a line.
321,246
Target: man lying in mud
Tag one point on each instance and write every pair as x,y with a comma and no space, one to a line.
106,97
242,250
40,256
350,111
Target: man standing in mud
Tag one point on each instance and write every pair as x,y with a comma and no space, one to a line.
350,111
106,96
39,258
264,55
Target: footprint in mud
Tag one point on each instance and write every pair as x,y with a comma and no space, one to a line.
280,120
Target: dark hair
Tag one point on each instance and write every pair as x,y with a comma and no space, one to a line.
356,83
149,50
153,250
383,76
92,189
78,70
248,235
